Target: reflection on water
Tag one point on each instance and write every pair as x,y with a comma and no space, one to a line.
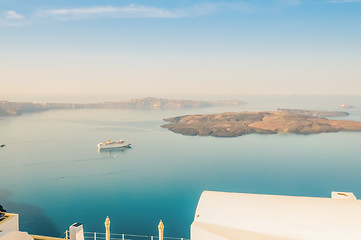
56,175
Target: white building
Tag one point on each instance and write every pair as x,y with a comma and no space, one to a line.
231,216
240,216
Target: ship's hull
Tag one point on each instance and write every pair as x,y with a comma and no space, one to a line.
114,147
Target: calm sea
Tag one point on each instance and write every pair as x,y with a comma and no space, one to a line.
52,175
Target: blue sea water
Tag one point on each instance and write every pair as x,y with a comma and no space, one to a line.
53,175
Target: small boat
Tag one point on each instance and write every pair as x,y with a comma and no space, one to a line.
121,144
346,106
2,145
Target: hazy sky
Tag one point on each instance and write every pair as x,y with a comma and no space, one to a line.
159,47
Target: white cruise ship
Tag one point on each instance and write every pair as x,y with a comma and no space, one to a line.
113,145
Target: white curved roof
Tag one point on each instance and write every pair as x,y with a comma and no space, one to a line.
285,217
15,235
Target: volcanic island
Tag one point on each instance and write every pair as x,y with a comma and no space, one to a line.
233,124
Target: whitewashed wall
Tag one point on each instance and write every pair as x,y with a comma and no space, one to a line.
231,215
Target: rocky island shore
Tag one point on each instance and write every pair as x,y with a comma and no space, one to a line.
17,108
268,122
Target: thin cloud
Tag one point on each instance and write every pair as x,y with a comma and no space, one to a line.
131,11
12,15
12,18
141,11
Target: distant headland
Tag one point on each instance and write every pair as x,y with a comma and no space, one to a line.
234,124
17,108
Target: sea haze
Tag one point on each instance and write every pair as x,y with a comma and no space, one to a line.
51,172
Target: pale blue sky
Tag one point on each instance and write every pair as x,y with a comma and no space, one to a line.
164,47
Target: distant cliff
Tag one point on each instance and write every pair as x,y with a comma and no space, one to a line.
17,108
164,103
241,123
315,113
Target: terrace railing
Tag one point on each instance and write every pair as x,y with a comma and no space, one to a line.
114,236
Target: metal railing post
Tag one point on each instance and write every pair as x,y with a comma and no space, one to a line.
95,236
122,236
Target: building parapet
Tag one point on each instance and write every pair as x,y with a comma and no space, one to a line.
37,237
10,222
